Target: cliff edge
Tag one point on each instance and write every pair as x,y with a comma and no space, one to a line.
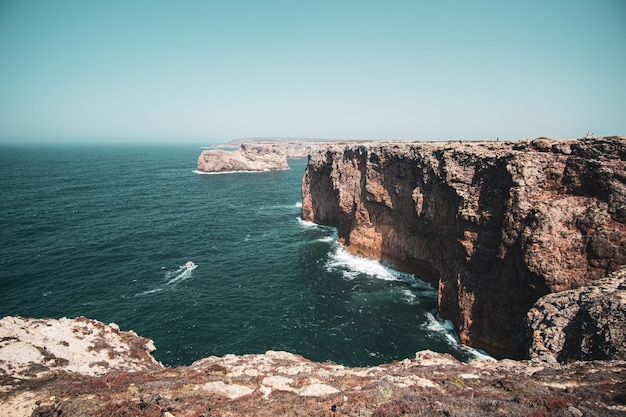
81,367
248,157
493,226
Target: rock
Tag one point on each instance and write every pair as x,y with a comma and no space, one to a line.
282,383
248,157
231,391
318,390
574,412
492,225
299,150
293,148
32,348
586,323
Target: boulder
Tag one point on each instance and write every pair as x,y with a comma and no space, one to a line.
586,323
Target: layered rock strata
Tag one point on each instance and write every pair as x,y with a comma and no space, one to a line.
248,157
281,383
492,225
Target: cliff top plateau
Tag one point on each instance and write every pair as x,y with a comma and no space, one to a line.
82,367
493,226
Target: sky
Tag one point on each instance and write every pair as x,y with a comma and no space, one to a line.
207,71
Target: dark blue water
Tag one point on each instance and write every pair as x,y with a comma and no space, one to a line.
102,231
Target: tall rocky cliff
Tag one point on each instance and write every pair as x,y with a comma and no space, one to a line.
492,225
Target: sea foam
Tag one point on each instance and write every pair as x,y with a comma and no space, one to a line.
195,171
306,223
445,328
352,265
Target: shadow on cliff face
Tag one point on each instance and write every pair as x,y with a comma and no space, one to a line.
494,226
493,273
320,188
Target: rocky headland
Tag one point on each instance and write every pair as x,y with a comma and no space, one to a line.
524,241
494,227
248,157
82,367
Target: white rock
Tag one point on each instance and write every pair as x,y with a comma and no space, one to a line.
318,390
232,391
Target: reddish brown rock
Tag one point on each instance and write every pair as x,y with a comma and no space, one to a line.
248,157
494,226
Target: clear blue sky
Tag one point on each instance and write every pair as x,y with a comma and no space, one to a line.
220,70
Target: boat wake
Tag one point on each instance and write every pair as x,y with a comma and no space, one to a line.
182,273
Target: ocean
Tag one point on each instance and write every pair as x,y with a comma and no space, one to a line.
104,231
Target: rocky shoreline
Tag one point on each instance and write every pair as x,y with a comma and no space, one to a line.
493,226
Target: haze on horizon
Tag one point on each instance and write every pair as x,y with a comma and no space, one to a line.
205,71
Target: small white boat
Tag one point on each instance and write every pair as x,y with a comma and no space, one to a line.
190,265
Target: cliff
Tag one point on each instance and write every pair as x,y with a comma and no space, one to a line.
248,157
493,226
82,367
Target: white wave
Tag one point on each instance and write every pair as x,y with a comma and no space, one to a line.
441,327
352,265
446,329
299,204
306,223
195,171
409,297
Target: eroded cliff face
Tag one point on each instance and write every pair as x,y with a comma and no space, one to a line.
494,226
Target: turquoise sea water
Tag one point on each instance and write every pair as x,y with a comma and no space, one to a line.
103,232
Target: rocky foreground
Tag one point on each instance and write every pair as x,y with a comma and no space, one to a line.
82,367
494,226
